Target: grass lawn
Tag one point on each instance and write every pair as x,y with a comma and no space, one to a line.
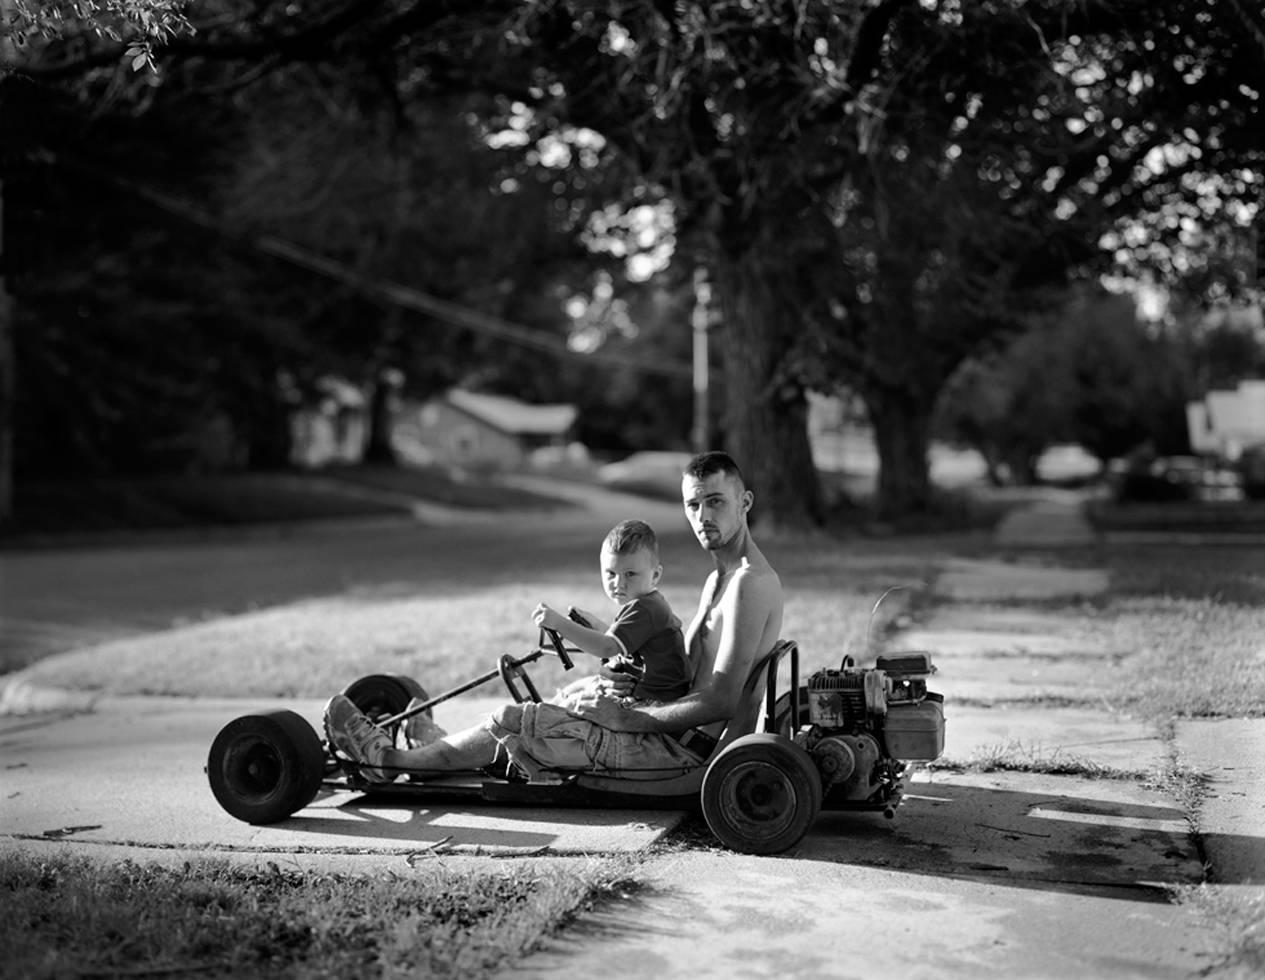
178,502
73,917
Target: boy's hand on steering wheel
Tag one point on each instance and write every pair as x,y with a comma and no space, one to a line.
546,617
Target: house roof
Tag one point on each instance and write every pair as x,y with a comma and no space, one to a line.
513,416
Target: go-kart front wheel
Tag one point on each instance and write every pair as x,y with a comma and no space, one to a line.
761,794
263,768
381,696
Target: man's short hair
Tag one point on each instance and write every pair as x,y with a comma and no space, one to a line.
628,537
706,464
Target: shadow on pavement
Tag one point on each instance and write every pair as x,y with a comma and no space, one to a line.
1080,837
1057,834
340,819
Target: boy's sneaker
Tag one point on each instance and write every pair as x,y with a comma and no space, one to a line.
421,729
356,737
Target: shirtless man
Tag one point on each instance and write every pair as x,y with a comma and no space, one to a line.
739,619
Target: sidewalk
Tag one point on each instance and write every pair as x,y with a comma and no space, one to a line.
1231,752
1058,521
1006,873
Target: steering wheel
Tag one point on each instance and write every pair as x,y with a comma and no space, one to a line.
511,670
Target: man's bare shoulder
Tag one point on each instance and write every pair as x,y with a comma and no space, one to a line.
756,572
754,591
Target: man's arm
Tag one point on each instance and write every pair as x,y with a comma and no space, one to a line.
745,610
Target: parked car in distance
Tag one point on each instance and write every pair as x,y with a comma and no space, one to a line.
1251,466
650,474
1175,478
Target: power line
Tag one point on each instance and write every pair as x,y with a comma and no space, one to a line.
394,293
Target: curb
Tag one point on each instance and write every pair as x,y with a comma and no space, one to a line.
20,698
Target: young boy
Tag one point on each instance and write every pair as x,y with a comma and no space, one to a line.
644,640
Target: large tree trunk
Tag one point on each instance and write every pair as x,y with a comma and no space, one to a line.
7,372
378,446
263,423
7,377
14,125
902,434
766,409
901,389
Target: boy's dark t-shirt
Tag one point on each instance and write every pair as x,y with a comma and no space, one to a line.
650,634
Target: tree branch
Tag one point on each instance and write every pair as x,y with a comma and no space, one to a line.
384,290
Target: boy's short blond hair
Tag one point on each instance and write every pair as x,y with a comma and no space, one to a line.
627,537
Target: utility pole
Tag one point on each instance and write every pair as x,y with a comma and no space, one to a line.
7,377
702,369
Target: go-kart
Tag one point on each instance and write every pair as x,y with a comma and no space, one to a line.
838,742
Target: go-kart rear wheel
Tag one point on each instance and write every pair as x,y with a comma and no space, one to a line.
263,768
383,695
761,794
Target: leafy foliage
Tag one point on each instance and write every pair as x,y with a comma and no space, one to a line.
1011,405
137,24
882,190
1093,373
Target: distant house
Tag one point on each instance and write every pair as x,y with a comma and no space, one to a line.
1225,423
332,429
467,428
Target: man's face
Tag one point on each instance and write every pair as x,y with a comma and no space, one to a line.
716,507
625,577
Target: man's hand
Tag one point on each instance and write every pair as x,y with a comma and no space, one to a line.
617,683
602,710
546,617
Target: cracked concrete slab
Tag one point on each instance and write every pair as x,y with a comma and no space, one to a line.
1052,736
945,640
1232,815
1015,877
966,580
1030,681
1055,829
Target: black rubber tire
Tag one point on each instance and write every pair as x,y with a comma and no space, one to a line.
761,794
264,768
383,695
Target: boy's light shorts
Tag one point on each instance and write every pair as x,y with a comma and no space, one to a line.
552,739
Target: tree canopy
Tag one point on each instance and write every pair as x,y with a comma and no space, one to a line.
879,190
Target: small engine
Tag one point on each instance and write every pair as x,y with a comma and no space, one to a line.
864,723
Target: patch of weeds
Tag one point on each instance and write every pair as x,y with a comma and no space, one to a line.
1230,575
691,834
69,916
1192,658
1016,756
1186,785
1040,701
1238,917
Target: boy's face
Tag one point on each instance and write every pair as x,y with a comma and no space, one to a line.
626,577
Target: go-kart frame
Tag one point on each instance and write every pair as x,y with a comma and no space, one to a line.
759,790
